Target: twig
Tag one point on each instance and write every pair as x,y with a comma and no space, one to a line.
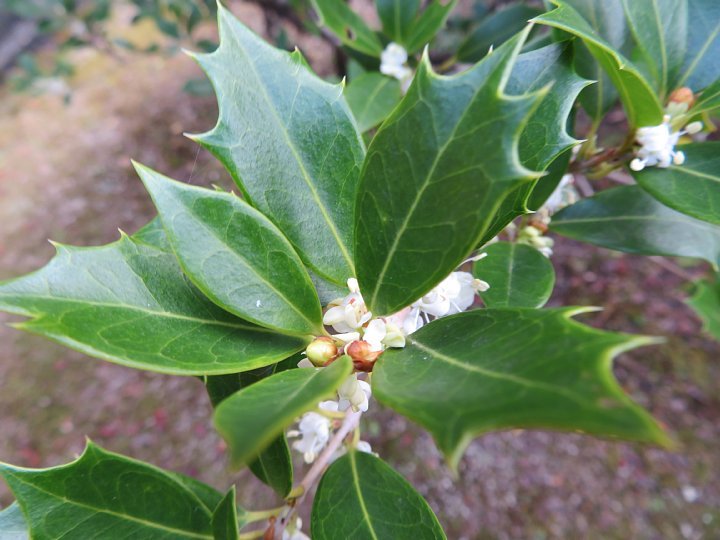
672,267
349,424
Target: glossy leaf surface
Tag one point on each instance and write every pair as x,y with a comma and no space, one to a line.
236,256
372,97
701,67
435,173
607,19
255,416
692,188
361,497
660,29
497,369
494,30
519,276
290,143
348,26
102,492
638,97
628,219
129,303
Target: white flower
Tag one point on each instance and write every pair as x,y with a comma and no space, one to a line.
314,428
392,62
354,394
347,315
532,236
454,294
564,195
657,145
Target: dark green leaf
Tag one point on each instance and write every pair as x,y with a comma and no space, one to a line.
641,104
519,276
235,255
660,29
708,100
348,26
428,24
12,523
496,369
434,175
273,465
628,219
253,417
397,16
225,523
494,30
129,303
693,188
607,19
371,98
289,141
102,492
702,60
360,497
706,303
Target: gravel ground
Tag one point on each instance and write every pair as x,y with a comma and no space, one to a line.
65,174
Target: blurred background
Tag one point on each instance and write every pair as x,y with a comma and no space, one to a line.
87,85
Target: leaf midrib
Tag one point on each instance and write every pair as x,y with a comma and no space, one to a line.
358,491
291,145
501,376
247,263
126,517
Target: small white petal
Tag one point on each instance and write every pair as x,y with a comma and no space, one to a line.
637,164
679,158
694,127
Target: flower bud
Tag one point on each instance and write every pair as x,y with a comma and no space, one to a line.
321,351
362,355
683,95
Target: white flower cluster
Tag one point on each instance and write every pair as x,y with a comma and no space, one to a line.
295,533
657,145
315,428
393,63
355,325
532,236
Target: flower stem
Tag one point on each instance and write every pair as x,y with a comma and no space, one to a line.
260,515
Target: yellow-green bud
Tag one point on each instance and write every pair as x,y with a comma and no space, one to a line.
321,351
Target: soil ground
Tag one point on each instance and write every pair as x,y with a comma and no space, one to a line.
65,174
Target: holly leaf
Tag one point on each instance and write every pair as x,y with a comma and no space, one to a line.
628,219
701,67
494,30
12,523
397,17
519,276
129,303
607,20
289,141
434,175
372,97
428,24
642,106
544,139
225,521
660,29
252,418
348,26
235,255
360,497
497,369
706,304
273,466
693,188
708,100
101,492
153,235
